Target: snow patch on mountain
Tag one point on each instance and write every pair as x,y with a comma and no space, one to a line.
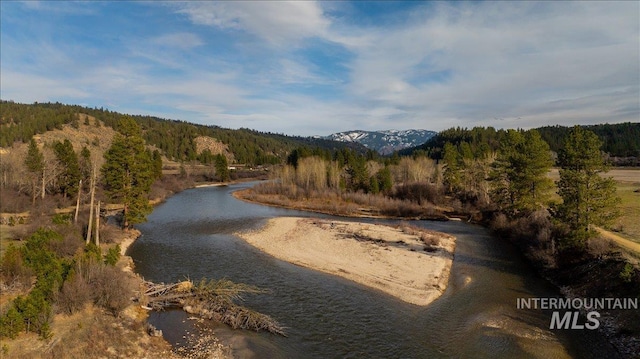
385,142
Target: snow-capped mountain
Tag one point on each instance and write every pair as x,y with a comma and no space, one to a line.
385,142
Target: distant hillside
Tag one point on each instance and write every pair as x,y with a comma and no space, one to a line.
620,141
384,142
177,140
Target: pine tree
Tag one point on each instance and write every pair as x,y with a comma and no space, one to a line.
222,168
588,199
451,167
358,174
128,172
84,161
157,164
71,174
519,173
35,165
385,180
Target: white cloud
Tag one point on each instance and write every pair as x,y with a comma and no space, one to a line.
25,87
505,64
277,22
503,59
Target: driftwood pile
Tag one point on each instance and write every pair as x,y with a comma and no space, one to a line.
209,299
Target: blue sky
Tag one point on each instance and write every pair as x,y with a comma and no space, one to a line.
314,68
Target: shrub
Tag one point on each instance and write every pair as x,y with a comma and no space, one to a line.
430,240
11,323
626,274
418,193
75,293
14,270
49,268
70,242
599,246
499,222
93,252
61,218
35,311
113,255
112,289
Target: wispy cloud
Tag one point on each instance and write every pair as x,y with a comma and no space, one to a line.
314,68
279,23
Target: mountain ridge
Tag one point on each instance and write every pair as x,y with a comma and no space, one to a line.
384,142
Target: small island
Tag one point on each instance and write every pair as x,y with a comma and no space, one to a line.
407,262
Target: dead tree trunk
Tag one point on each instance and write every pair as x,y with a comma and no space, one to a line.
98,225
34,188
93,191
43,182
75,217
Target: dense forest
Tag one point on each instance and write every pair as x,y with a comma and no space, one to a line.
620,141
176,139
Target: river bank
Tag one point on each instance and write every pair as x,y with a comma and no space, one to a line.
408,263
579,277
204,345
336,206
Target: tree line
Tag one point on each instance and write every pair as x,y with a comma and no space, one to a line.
501,172
176,139
514,180
618,140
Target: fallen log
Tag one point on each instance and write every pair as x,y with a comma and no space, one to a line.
209,299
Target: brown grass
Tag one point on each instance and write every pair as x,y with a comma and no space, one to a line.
338,203
628,225
91,333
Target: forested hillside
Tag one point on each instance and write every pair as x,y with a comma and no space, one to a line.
620,141
176,139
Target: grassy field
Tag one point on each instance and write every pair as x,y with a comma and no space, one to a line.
629,222
628,181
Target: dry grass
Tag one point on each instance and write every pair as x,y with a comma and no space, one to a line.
628,182
91,334
338,203
628,225
10,235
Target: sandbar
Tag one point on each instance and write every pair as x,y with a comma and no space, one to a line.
404,261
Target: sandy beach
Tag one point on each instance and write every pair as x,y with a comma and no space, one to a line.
405,262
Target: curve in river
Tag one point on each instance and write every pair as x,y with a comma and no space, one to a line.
191,236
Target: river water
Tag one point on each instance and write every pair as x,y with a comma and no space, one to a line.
191,236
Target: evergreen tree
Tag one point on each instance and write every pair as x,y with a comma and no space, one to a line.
157,164
35,165
374,186
385,180
451,167
128,172
70,175
358,173
519,174
222,168
588,199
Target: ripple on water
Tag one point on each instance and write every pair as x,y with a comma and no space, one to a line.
328,317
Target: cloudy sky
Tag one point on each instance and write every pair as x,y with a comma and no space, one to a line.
314,68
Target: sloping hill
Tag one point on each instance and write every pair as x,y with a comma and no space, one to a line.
177,140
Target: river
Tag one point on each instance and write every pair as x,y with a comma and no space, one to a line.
191,236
